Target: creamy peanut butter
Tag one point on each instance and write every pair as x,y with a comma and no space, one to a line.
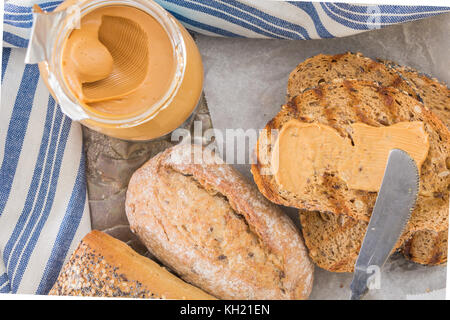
120,62
161,75
303,152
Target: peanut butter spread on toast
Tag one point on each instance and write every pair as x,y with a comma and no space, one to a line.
304,152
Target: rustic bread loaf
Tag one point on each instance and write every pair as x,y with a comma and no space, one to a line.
325,68
339,104
204,221
334,241
103,266
427,247
434,94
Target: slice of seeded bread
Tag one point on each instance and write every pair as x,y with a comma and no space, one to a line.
325,68
427,247
434,94
339,104
334,241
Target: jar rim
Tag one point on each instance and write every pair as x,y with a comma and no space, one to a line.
172,30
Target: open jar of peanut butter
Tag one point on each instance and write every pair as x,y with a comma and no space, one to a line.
126,68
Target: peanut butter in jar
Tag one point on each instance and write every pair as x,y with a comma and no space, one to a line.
129,70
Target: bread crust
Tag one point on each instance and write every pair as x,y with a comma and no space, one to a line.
103,266
246,248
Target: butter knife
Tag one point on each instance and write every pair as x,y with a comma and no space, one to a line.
394,204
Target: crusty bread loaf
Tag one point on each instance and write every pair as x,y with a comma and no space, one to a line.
103,266
339,104
434,94
213,228
325,68
427,247
334,241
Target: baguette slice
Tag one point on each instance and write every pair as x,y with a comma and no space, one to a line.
325,68
103,266
427,247
334,241
202,219
338,104
435,95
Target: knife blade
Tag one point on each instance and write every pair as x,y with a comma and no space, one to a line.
394,204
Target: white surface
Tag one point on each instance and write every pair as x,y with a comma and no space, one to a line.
245,85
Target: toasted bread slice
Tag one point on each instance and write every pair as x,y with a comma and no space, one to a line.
339,104
325,68
427,247
434,94
334,241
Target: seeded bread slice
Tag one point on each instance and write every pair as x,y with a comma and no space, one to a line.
325,68
427,247
434,94
334,241
338,104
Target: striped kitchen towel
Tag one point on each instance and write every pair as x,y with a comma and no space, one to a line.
251,18
43,205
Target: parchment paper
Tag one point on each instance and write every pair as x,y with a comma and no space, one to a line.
245,86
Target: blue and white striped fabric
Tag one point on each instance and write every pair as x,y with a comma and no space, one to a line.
251,18
43,205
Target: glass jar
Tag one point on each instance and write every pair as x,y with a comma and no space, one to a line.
156,120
